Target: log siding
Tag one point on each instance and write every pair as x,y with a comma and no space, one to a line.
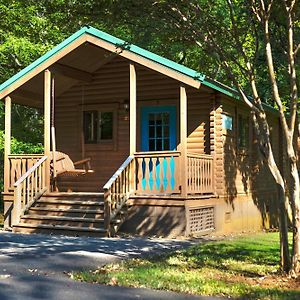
108,90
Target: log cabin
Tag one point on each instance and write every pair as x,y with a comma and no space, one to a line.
133,142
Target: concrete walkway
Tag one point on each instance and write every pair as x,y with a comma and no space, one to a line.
36,266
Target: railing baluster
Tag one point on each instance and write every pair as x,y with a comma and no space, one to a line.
140,174
166,179
29,186
23,166
158,172
119,189
35,181
200,174
19,164
116,192
23,191
27,191
146,175
193,174
207,175
12,172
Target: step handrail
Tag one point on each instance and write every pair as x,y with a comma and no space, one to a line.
117,191
28,188
118,172
33,168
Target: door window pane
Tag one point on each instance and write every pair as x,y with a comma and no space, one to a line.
166,131
151,132
158,121
166,144
159,145
159,131
152,145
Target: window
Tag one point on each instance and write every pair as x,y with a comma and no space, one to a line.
243,133
97,126
226,122
159,128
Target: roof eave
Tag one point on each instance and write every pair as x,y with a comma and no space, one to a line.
41,63
160,64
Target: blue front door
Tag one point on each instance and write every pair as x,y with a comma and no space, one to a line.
158,128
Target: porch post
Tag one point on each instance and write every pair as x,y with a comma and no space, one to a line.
183,141
132,118
7,142
47,130
132,123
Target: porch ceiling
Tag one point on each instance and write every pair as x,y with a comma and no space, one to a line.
78,65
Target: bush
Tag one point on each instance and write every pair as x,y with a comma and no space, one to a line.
17,147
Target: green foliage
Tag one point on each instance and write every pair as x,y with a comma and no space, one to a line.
20,147
17,147
192,31
25,34
232,268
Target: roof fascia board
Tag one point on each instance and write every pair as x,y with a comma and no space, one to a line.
221,88
43,62
144,61
232,93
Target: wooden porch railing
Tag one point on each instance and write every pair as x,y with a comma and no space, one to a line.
18,165
117,190
28,188
158,172
200,174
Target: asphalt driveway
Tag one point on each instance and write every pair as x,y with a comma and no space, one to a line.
36,266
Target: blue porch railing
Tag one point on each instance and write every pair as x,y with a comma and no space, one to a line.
159,173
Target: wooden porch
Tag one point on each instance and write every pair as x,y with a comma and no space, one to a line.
146,174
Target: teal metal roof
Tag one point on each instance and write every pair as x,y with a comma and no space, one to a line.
119,43
145,53
112,40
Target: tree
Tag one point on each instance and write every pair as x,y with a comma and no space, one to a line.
245,37
256,42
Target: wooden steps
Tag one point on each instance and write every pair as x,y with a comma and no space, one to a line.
76,214
58,229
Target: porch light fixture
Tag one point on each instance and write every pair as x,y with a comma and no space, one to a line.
126,105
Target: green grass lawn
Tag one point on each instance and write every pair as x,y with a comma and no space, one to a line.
244,267
1,220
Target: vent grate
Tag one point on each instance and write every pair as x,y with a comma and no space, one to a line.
201,219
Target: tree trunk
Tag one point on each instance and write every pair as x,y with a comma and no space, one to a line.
285,260
262,131
295,203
